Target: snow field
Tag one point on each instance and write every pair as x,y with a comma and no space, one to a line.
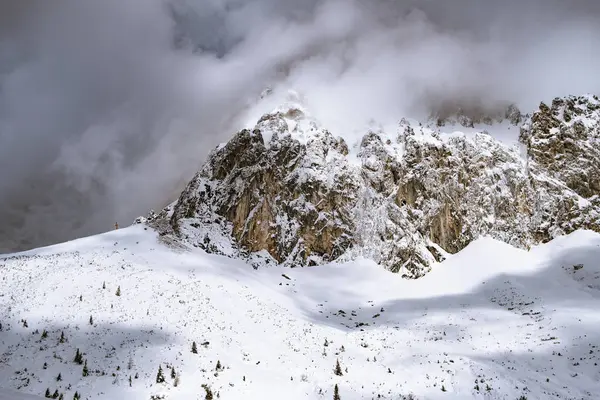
491,322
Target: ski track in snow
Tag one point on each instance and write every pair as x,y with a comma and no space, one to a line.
492,322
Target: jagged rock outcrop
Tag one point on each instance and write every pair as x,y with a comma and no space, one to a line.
564,140
290,192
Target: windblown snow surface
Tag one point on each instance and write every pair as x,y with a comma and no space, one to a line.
491,322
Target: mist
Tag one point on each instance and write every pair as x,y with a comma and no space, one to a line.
108,107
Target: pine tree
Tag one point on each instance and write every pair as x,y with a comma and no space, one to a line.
176,381
59,377
118,293
45,366
209,395
76,396
61,397
160,378
55,395
85,371
44,334
47,395
129,380
91,320
336,393
80,297
103,285
194,348
338,368
219,366
78,357
173,374
62,337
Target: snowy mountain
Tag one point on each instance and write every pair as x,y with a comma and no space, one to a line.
504,238
492,321
288,191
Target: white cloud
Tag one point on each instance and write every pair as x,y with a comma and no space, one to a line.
102,117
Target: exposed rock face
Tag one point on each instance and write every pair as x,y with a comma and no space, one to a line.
290,192
564,140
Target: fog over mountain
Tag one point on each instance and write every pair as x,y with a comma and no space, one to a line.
108,107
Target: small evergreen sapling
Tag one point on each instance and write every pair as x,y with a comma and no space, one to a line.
47,395
173,374
91,320
118,293
209,394
336,393
59,377
85,371
160,378
194,348
338,368
78,357
44,334
62,337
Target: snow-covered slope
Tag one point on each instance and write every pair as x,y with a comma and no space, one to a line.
492,321
12,395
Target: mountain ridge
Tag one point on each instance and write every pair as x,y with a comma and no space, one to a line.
290,192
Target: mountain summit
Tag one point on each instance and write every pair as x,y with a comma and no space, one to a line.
290,192
121,315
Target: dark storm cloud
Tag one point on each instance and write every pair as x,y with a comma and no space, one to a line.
108,107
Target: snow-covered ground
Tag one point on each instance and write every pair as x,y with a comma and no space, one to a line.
492,322
6,394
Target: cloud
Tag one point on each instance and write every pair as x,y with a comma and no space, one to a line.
107,108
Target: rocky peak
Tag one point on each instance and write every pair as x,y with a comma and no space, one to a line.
564,138
288,191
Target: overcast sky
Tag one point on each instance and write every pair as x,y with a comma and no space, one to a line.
108,107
